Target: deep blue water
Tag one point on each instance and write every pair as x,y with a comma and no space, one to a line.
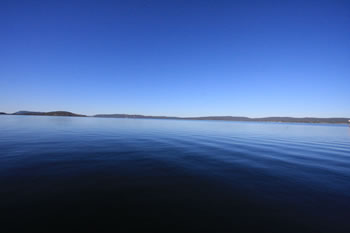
66,174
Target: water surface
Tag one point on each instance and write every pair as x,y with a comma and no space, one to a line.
66,174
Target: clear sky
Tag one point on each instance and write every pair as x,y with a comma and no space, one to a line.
176,58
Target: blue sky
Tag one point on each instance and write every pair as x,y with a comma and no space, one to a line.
176,58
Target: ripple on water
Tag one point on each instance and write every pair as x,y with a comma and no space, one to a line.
199,175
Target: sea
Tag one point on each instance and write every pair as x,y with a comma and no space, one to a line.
88,174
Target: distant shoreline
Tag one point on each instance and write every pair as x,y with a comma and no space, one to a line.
334,120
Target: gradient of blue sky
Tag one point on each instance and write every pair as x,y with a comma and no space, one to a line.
182,58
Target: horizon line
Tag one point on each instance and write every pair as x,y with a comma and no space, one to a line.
172,116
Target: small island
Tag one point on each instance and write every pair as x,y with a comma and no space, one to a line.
54,113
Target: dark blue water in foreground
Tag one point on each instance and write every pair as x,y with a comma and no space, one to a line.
64,174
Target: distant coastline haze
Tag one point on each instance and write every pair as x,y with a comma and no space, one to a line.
331,120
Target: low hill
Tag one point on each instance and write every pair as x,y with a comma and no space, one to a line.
55,113
27,113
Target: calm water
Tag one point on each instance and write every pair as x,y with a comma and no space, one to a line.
64,174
